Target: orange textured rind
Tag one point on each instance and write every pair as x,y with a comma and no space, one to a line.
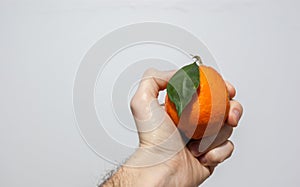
208,109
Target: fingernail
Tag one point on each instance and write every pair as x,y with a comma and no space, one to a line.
237,114
203,160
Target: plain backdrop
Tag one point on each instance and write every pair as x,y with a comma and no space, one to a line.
255,42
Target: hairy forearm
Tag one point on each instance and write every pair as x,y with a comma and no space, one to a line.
131,175
120,178
128,176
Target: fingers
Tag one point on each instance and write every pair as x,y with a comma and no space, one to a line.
236,109
235,113
152,82
231,89
217,155
222,136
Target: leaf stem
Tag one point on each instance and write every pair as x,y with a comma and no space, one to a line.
197,58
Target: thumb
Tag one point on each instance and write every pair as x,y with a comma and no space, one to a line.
156,130
152,82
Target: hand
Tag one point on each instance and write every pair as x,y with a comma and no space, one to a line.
163,159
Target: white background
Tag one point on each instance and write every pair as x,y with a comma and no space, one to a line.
255,42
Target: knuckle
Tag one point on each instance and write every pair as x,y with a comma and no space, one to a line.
138,100
134,103
214,157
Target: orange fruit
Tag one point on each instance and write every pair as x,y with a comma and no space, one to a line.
208,109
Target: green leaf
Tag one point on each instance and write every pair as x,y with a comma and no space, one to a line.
183,85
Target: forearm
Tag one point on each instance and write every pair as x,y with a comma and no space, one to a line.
121,178
129,175
126,176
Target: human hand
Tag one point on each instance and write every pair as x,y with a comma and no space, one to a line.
163,159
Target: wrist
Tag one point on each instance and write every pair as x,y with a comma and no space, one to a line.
147,176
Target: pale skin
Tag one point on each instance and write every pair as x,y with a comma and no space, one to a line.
162,158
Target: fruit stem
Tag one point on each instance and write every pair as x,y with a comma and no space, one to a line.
197,58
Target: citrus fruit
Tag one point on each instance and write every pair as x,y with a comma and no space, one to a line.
207,110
